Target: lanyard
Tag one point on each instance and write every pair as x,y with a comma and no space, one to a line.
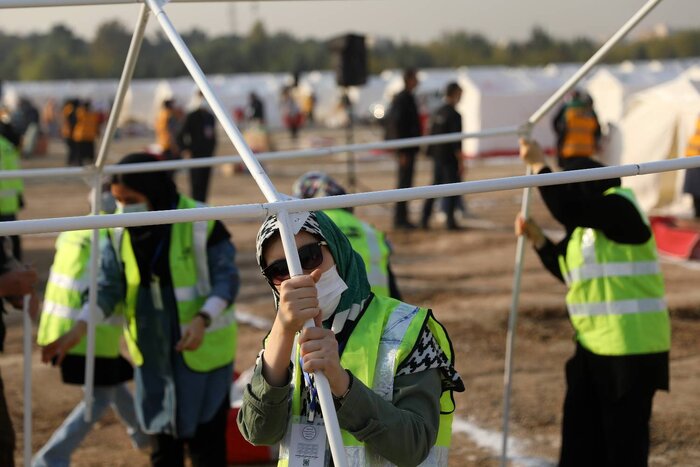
313,393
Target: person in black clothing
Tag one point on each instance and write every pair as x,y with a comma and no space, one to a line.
448,164
198,137
15,282
256,109
404,122
609,397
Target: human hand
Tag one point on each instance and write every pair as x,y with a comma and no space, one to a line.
18,282
319,352
531,230
531,153
60,347
299,302
193,336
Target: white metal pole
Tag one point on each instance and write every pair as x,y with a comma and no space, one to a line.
325,397
593,61
520,251
127,73
27,350
124,83
87,172
259,210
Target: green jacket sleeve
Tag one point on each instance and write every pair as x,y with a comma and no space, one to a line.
264,412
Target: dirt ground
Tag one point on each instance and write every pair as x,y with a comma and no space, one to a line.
465,277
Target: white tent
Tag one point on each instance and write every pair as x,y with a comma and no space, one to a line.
657,126
499,96
611,86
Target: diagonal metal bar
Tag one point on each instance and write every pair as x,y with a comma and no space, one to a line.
330,416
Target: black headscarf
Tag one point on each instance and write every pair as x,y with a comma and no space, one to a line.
157,187
593,188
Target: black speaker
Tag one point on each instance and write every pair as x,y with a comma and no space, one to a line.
349,59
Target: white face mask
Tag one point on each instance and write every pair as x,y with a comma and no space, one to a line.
131,208
330,287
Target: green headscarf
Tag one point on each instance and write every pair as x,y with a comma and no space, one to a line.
348,262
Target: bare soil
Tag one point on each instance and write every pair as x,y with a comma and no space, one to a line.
465,277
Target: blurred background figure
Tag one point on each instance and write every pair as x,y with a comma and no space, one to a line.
577,128
691,184
49,119
197,138
167,126
448,161
85,132
309,106
256,108
403,122
370,243
68,114
291,115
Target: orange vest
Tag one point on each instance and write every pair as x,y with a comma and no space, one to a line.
163,136
581,127
86,125
693,147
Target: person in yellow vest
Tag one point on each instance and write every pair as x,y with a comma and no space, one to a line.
371,244
87,128
577,129
691,184
177,284
390,365
167,128
11,189
616,303
65,293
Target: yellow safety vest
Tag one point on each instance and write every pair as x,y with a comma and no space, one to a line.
385,336
581,127
693,147
190,278
616,298
65,290
10,188
370,244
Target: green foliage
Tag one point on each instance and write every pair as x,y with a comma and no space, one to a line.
59,54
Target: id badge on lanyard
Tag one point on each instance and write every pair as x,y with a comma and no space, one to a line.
156,294
307,447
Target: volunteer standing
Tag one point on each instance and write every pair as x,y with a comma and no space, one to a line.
390,365
617,306
178,284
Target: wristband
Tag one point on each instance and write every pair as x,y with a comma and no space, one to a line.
339,399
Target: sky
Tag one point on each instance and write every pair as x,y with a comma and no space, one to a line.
414,20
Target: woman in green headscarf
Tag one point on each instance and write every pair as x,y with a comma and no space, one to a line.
390,365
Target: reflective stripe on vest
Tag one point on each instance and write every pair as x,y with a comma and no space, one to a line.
189,272
370,244
616,298
373,354
10,188
63,299
579,139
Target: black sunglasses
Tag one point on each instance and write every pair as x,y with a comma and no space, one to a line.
310,257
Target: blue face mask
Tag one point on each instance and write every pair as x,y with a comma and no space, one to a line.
131,208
